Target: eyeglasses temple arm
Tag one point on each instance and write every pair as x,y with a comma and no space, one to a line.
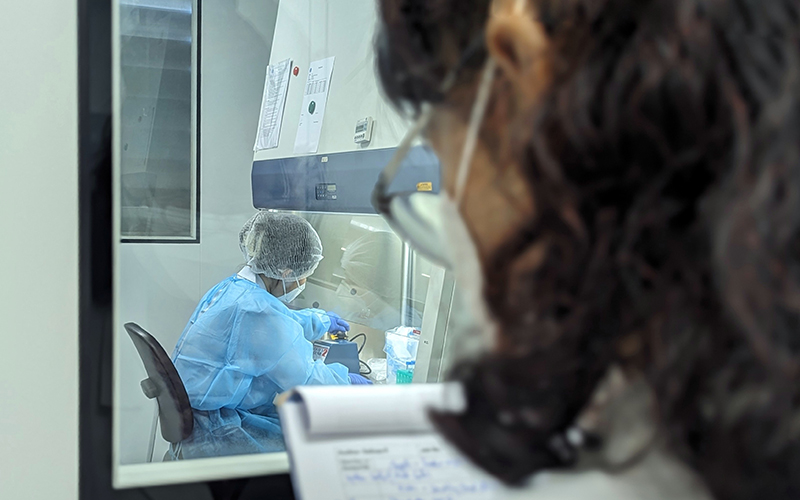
380,198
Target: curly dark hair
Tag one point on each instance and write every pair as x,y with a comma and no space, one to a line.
664,165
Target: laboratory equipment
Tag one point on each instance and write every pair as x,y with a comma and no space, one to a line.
405,376
340,351
401,348
368,276
339,182
377,370
363,133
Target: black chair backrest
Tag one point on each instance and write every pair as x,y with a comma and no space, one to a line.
164,384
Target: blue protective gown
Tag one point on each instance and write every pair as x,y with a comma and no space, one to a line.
242,347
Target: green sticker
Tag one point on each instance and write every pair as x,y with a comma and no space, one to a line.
312,107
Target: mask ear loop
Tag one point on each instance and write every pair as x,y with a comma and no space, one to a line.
477,115
380,198
475,121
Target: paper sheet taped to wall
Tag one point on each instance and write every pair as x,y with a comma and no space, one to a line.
272,105
312,113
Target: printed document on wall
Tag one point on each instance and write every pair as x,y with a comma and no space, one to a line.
313,112
272,105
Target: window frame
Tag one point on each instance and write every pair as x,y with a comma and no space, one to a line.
97,246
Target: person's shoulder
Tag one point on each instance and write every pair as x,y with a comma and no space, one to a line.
231,289
253,298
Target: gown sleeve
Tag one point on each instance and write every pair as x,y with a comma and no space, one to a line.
244,351
273,349
315,322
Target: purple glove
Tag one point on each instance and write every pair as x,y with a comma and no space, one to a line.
356,379
337,323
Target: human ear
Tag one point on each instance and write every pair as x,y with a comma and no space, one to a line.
519,43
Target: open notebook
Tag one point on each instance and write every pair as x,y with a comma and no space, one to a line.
376,443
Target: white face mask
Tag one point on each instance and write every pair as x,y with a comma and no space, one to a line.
476,330
472,326
288,297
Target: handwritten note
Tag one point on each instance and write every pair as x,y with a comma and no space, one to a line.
387,450
415,471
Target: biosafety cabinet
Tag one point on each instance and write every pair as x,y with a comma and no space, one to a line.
325,133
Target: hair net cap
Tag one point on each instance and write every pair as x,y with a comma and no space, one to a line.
280,246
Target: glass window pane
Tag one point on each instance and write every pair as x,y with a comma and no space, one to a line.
368,275
157,195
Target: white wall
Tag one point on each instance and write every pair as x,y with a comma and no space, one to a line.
39,250
309,30
160,285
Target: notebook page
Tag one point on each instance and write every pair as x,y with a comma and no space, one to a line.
335,410
416,466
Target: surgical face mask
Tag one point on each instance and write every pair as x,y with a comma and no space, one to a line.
478,332
288,297
433,225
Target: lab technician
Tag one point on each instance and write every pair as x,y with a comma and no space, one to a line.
243,345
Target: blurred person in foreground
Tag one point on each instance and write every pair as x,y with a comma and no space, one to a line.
626,177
